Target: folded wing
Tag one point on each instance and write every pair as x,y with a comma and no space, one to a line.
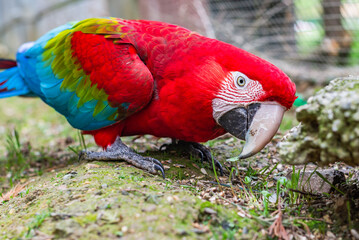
89,74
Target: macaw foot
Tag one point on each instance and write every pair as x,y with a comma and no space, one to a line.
119,151
193,149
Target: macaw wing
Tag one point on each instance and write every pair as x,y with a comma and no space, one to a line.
92,76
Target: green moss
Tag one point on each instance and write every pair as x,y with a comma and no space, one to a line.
329,129
87,219
97,201
317,225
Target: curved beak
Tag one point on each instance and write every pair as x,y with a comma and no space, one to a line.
256,124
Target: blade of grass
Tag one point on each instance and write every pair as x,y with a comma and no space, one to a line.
301,180
326,180
275,166
215,174
82,140
310,176
263,170
349,215
230,181
73,149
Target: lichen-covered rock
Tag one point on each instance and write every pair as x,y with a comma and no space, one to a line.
329,128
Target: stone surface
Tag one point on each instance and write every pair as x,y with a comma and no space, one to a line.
311,182
329,128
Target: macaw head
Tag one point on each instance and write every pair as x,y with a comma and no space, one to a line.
251,98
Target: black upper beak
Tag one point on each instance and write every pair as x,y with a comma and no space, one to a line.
256,123
238,120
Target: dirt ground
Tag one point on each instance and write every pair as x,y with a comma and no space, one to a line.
57,197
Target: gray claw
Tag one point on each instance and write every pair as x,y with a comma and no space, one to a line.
160,168
219,165
157,162
164,147
201,154
119,151
82,155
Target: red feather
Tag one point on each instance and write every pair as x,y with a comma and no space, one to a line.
7,63
188,70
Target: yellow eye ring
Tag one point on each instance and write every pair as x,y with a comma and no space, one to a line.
241,81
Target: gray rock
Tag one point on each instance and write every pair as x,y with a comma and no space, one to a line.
354,233
309,181
209,211
67,227
70,175
149,208
329,128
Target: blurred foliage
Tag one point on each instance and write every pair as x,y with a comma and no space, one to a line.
310,33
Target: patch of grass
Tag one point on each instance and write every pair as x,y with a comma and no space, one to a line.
129,191
317,225
288,122
36,222
16,161
326,180
87,219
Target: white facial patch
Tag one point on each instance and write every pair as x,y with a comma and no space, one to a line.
25,46
237,91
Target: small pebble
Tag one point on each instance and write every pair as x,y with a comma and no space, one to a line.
182,232
91,166
169,199
331,235
280,167
151,218
179,165
212,199
354,233
62,187
272,198
70,175
209,211
203,171
149,208
124,229
123,192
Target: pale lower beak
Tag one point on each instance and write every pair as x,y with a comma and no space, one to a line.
264,126
256,124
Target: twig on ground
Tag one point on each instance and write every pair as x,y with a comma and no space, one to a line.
304,193
13,192
277,229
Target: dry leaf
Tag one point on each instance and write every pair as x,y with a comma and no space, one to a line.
277,229
13,192
179,165
202,228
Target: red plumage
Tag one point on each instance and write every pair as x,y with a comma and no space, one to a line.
179,74
6,63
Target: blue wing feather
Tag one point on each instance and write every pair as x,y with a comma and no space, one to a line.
42,81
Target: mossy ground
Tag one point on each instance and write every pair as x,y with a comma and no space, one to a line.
110,200
69,199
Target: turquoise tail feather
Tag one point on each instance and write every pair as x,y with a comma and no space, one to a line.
11,83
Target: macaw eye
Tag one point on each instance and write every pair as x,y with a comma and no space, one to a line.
241,81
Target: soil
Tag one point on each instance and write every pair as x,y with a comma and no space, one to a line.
109,200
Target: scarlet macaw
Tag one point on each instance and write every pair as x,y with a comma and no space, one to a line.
112,77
